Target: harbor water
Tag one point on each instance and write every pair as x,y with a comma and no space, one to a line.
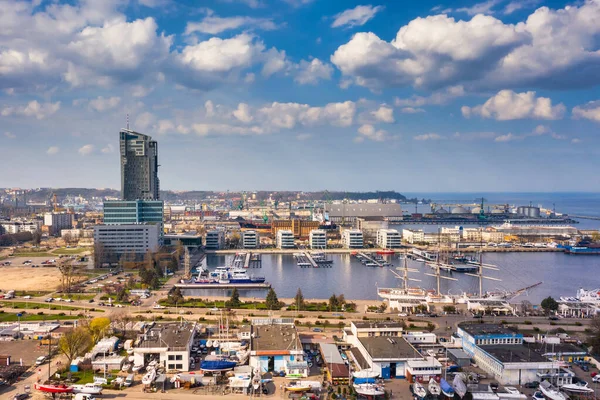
561,275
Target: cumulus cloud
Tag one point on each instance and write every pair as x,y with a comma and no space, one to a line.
517,5
356,16
480,53
86,150
309,72
101,104
480,8
508,105
428,136
411,110
242,113
52,150
368,131
214,25
384,114
144,120
32,109
590,110
437,98
141,91
506,138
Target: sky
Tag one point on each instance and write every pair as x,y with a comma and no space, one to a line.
499,95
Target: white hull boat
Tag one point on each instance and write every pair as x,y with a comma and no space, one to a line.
577,388
550,392
419,390
137,368
149,377
88,388
368,389
434,387
126,367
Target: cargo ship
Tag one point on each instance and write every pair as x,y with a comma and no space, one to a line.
584,247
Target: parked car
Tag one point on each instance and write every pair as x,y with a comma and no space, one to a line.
596,379
317,330
40,360
532,385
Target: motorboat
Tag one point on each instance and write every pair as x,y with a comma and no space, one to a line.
434,387
580,387
137,368
538,396
215,343
447,390
551,392
419,390
88,388
369,389
126,367
51,388
149,377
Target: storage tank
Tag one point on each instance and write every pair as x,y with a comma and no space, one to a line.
441,211
459,210
529,211
476,210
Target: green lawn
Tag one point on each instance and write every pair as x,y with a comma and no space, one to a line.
79,296
32,293
212,304
34,254
65,251
34,306
6,317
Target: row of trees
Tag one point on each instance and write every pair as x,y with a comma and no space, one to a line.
11,239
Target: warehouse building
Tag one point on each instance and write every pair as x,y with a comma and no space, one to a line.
348,212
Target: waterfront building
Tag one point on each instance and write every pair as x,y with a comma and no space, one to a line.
347,213
389,239
371,225
501,353
128,238
300,228
250,239
336,370
215,239
318,239
420,338
170,342
481,306
534,230
139,166
413,235
275,347
57,221
188,239
285,239
492,236
352,239
119,212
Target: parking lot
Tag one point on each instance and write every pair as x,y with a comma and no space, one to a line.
26,350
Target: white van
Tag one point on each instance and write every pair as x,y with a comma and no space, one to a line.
40,360
128,380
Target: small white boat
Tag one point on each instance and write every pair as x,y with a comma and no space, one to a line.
365,374
434,387
126,367
131,359
419,390
369,389
550,392
88,388
209,343
215,343
149,377
137,368
580,387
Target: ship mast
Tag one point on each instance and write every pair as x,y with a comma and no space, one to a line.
438,276
479,274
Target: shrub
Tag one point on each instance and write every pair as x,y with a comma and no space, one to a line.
40,313
578,323
300,316
320,317
325,323
62,314
318,323
504,322
536,329
412,326
527,322
365,318
297,322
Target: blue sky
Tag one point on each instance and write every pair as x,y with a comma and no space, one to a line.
498,95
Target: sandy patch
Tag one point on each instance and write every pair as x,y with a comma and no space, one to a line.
27,278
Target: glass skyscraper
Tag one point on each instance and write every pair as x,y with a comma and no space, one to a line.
139,166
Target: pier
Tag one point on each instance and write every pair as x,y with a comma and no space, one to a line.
302,260
311,260
246,260
371,260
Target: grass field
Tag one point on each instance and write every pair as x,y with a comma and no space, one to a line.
78,296
32,293
35,254
35,306
65,251
5,317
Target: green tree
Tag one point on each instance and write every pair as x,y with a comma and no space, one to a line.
98,328
549,305
430,327
333,302
594,335
272,302
450,309
36,237
234,301
299,300
75,343
175,296
122,295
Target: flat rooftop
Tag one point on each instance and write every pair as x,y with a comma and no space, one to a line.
389,348
477,329
275,337
377,325
331,353
510,353
172,336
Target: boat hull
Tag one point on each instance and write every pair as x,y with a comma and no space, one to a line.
54,388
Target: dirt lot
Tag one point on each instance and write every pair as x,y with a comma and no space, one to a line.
28,278
27,350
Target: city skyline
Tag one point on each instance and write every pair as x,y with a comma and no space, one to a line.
432,96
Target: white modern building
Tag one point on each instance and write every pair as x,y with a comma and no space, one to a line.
389,239
285,239
250,240
352,239
215,239
133,238
18,227
420,337
318,239
413,235
57,222
169,343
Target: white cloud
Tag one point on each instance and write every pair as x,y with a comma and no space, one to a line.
508,105
86,150
144,121
154,3
289,115
10,135
480,8
209,108
590,110
428,136
474,135
52,150
242,113
101,104
215,25
303,136
249,78
506,138
275,61
310,72
356,16
298,3
368,131
436,98
575,140
108,149
541,129
32,109
519,5
384,114
141,91
411,110
483,53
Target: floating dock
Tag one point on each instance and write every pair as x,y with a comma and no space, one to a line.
246,260
371,260
264,285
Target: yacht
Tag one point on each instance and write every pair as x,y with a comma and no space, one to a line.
551,392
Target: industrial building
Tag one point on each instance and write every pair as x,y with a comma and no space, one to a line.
336,369
134,212
250,239
501,353
285,239
347,213
370,225
169,343
352,239
189,239
389,239
139,166
57,221
125,239
534,230
318,239
300,228
215,240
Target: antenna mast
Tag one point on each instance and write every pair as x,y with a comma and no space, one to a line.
127,121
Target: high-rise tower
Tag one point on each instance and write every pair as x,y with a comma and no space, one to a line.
139,166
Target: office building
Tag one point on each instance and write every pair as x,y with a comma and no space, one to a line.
352,239
215,240
127,238
250,240
318,239
119,212
58,221
389,239
413,235
13,227
285,239
139,166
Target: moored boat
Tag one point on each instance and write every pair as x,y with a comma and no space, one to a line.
88,388
149,377
419,390
369,389
447,390
580,387
217,365
52,388
364,376
434,387
550,392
